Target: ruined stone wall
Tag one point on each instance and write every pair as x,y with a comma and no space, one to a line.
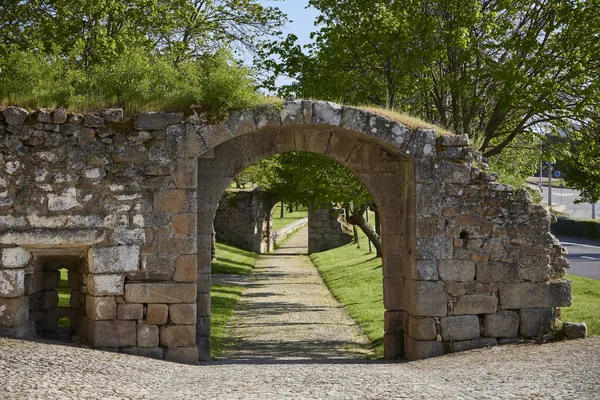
327,229
129,206
243,219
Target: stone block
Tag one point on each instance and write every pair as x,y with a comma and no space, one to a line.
395,321
15,257
574,330
184,224
476,304
497,272
101,308
422,328
15,115
157,314
173,336
186,269
48,300
427,270
480,343
182,314
111,334
23,331
147,336
460,327
326,113
429,299
504,324
419,349
393,346
14,311
434,249
154,121
114,259
51,279
160,293
130,311
203,305
171,201
106,285
536,295
149,352
157,267
183,355
536,321
457,270
202,326
12,282
34,283
203,345
112,115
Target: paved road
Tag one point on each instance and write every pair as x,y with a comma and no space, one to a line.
566,198
584,256
287,313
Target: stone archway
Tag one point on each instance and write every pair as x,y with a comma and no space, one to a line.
467,261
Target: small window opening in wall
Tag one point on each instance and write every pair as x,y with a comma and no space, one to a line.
64,297
464,235
64,322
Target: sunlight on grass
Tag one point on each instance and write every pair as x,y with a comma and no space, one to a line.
586,304
405,119
224,298
354,277
288,217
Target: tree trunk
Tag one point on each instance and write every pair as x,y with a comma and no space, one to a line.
357,218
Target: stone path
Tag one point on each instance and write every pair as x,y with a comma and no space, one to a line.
287,312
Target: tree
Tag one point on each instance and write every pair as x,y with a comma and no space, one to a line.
493,69
581,163
312,180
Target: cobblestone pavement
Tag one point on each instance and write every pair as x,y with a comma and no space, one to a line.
287,312
564,370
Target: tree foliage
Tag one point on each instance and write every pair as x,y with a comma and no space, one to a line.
493,69
581,164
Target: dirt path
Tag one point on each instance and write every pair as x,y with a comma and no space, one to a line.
287,312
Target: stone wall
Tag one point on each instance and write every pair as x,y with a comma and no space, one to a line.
327,229
243,219
129,206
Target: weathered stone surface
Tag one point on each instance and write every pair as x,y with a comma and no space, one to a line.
12,282
130,311
422,328
395,321
182,314
15,115
93,121
154,121
183,355
393,345
101,308
15,257
160,292
476,304
536,321
113,259
434,249
106,285
504,324
461,327
427,270
173,336
418,349
67,200
457,270
501,272
186,269
429,299
157,314
465,345
574,330
59,116
113,333
147,335
326,113
14,311
112,115
532,295
156,352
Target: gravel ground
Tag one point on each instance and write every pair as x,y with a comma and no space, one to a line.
564,370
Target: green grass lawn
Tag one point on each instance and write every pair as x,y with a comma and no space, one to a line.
288,217
64,290
354,277
224,298
586,304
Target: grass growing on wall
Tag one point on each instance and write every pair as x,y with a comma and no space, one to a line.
224,298
586,304
288,217
354,277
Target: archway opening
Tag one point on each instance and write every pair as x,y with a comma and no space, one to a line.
388,177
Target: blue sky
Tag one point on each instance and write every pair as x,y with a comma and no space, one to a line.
303,19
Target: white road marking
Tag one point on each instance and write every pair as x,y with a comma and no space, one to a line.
588,258
582,245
